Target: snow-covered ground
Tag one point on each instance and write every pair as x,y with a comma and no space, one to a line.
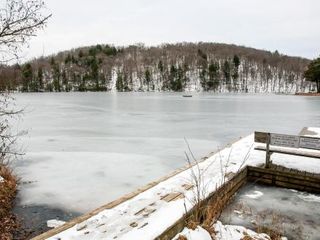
222,232
312,132
151,212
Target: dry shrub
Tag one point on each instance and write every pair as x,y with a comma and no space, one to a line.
275,229
247,237
8,189
192,224
212,213
182,237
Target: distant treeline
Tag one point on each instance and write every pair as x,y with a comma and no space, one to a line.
168,67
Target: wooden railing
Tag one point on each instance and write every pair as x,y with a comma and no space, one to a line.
289,144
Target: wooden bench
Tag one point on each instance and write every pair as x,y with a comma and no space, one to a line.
287,144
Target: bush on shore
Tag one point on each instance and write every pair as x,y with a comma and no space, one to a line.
8,189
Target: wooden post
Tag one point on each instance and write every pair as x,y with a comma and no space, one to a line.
268,150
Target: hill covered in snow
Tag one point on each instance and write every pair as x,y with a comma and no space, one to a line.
168,67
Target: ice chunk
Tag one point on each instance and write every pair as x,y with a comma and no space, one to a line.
255,195
54,223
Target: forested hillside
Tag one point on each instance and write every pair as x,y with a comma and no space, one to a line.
169,67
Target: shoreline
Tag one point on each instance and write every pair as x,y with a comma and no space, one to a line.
8,190
308,94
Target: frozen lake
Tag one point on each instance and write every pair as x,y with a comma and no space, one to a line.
86,149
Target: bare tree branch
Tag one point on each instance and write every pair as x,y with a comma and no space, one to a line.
19,21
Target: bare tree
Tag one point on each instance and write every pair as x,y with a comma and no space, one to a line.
19,21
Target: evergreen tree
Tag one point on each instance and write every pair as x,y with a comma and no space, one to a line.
125,82
40,78
52,61
110,51
180,79
80,54
160,66
203,78
65,80
172,77
27,76
119,83
147,76
67,59
236,61
202,54
313,73
95,72
56,75
235,74
226,71
93,51
213,82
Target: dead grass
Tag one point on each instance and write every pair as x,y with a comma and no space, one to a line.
8,190
182,237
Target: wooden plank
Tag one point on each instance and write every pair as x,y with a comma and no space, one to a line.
284,140
260,137
268,154
309,143
292,151
173,196
296,175
298,182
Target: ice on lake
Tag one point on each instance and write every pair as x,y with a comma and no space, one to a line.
292,213
86,149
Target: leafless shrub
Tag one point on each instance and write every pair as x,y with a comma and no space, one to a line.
8,113
206,214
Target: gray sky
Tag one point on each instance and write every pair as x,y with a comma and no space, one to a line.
290,26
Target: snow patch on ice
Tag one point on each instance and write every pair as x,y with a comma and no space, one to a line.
315,132
255,195
309,197
54,223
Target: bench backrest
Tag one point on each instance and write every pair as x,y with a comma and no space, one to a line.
284,140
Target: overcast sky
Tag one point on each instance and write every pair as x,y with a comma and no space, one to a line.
290,26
